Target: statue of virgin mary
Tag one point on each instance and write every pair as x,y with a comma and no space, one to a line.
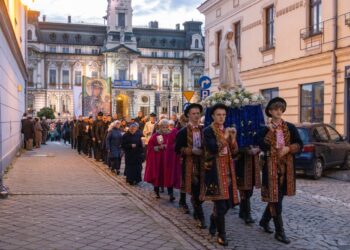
229,71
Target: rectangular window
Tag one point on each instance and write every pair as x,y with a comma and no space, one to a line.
65,50
237,27
269,94
154,54
78,79
270,29
94,51
312,104
165,80
176,80
177,54
122,74
140,77
121,20
218,41
165,54
52,76
65,76
94,74
154,79
77,51
315,16
52,49
30,78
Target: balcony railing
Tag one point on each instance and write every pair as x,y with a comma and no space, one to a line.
311,31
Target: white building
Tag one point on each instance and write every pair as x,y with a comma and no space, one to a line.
144,64
13,76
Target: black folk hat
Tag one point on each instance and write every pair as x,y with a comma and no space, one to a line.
192,106
100,113
274,101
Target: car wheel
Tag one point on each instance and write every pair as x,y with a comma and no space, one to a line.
318,169
346,164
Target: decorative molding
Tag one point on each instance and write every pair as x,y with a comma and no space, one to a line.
252,25
290,8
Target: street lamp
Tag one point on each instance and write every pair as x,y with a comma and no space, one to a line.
169,96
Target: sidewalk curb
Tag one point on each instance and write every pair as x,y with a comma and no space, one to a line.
186,232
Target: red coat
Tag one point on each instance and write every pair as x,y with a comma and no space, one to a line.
163,167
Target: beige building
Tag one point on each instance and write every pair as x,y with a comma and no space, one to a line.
148,66
297,49
13,76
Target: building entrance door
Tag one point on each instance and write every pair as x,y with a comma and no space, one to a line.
122,106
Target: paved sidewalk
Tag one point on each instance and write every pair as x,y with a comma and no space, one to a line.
58,200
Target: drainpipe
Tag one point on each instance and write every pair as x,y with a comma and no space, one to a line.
334,63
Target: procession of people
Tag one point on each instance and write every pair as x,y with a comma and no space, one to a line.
203,163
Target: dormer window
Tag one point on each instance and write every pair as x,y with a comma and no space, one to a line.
78,38
52,37
196,44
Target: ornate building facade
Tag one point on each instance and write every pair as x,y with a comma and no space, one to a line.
149,67
297,49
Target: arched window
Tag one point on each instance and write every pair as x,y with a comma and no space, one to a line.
30,35
196,44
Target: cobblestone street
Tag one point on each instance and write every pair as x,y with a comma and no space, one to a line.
60,200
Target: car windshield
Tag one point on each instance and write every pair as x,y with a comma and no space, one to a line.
304,135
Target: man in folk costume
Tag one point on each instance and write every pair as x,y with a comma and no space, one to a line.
248,177
219,182
189,144
279,141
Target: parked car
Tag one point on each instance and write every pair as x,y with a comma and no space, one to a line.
323,148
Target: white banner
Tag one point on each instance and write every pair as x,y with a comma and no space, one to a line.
78,101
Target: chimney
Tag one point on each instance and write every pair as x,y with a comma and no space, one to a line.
44,18
178,26
69,19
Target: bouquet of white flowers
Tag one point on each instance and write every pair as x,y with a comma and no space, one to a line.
235,98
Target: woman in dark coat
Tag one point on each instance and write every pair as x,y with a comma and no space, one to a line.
132,146
66,132
113,146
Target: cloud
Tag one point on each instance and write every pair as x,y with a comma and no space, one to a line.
167,12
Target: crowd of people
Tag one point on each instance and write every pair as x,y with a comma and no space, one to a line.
204,163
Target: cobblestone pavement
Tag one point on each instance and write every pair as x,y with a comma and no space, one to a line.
60,200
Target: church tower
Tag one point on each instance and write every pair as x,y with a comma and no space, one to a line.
119,15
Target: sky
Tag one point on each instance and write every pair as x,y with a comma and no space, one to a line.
167,12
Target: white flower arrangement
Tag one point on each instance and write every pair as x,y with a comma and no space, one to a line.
235,98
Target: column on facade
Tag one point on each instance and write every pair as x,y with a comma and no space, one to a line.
186,77
145,75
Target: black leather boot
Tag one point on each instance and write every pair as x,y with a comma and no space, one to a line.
248,215
182,203
242,209
265,221
220,223
280,234
212,227
156,191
